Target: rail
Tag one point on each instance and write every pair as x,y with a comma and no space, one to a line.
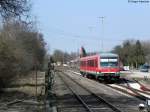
96,96
77,96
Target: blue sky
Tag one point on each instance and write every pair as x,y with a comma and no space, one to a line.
70,24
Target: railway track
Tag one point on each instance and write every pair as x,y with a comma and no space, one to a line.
142,95
128,91
142,86
90,101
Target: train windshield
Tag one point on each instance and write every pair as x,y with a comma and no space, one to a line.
108,62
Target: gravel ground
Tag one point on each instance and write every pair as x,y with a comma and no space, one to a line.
125,102
64,99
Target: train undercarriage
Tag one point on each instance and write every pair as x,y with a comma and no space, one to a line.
102,77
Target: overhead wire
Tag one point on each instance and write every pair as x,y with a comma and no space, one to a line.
77,36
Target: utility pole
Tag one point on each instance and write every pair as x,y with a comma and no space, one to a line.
36,78
102,37
90,31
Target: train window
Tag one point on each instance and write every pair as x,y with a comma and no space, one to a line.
109,64
91,63
95,63
84,63
88,63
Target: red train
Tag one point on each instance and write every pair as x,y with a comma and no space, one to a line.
104,66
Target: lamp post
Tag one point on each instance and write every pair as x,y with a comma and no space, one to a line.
102,21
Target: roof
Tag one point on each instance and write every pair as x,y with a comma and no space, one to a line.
101,55
89,57
108,54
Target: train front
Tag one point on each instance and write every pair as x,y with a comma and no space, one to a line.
109,66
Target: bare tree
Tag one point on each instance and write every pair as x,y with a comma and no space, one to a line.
13,8
146,46
19,49
131,53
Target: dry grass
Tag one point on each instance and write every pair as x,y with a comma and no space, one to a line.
24,88
27,83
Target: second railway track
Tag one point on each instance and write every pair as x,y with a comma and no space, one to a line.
91,101
135,92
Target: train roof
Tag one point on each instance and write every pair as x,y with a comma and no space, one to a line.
101,55
108,54
91,56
